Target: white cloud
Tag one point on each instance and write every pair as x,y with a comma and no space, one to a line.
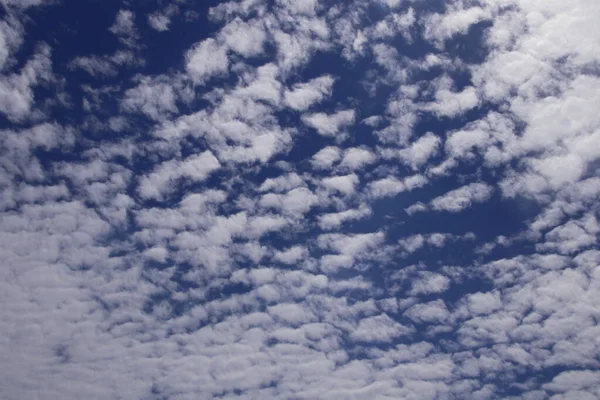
572,236
244,38
433,311
380,328
440,27
344,184
351,245
161,19
429,283
16,90
23,4
124,28
451,104
297,201
458,199
291,255
11,38
484,303
159,254
326,157
108,65
420,151
335,220
386,187
304,95
391,186
206,59
357,157
160,22
155,99
230,280
330,124
291,313
160,182
282,183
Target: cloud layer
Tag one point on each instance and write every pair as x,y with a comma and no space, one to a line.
300,199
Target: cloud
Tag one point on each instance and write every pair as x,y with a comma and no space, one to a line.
420,151
344,184
304,95
161,181
16,90
431,312
330,125
455,20
380,328
451,104
296,201
160,22
356,158
124,28
155,99
326,157
428,283
461,198
161,19
108,65
182,215
206,59
391,186
23,4
127,55
291,255
11,38
335,220
244,38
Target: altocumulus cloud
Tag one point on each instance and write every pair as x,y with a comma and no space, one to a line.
304,199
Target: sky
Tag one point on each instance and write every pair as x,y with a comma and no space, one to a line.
299,199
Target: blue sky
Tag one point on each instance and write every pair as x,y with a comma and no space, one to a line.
299,199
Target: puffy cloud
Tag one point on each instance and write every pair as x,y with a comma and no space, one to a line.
335,220
206,59
455,20
386,187
291,255
244,38
326,157
155,99
330,124
451,104
380,328
344,184
434,311
391,186
161,181
458,199
349,246
429,283
16,90
160,22
282,183
356,158
420,151
304,95
296,201
214,235
161,19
